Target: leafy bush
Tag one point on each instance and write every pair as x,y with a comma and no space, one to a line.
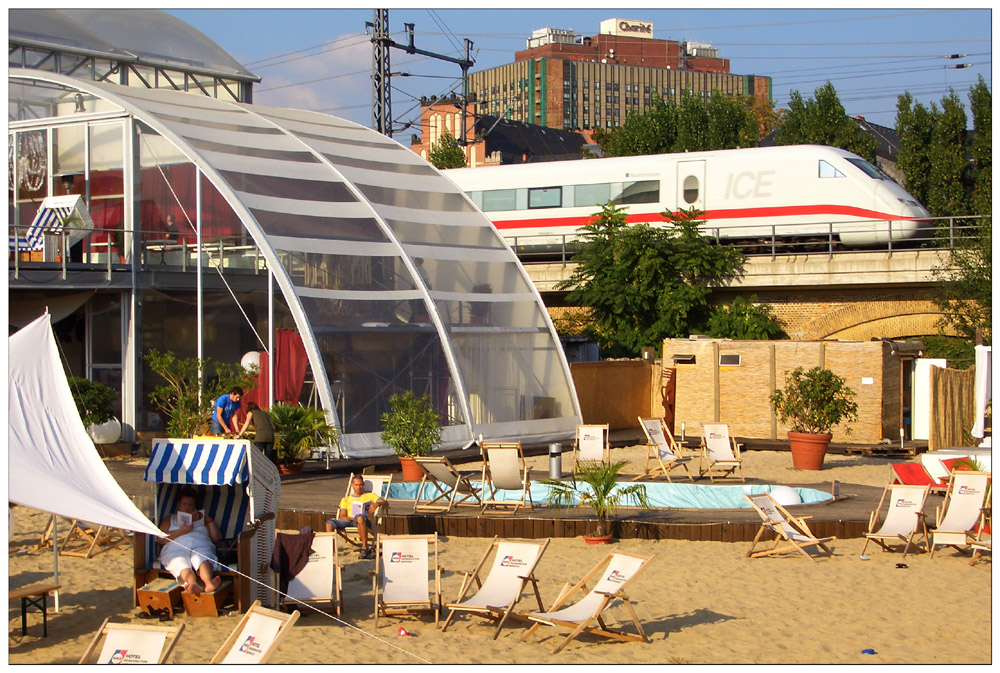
745,319
411,426
298,430
814,401
95,401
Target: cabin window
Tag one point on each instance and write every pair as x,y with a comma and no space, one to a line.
545,197
690,189
591,195
828,171
868,169
499,199
643,191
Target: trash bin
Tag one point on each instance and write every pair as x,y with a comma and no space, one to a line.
555,461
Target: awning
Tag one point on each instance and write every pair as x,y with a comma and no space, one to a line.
193,461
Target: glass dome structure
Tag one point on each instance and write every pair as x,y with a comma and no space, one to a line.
394,280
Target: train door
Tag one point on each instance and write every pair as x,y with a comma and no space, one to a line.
691,185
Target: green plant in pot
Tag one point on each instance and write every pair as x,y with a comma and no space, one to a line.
595,484
297,431
95,402
811,404
411,427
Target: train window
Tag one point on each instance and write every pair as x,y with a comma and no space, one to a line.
690,189
545,197
828,171
868,169
591,195
643,191
499,199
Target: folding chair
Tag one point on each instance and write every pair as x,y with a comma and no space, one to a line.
512,568
86,540
319,581
915,474
374,483
256,637
720,453
787,529
592,444
401,576
983,541
504,469
449,483
663,448
903,518
132,644
961,509
619,569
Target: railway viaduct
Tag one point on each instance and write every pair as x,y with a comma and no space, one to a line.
852,296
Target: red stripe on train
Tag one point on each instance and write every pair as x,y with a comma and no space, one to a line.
731,214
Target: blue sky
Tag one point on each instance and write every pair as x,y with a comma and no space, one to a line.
320,59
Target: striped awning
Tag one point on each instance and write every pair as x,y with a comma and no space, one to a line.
198,461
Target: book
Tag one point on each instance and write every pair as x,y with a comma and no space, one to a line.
184,519
358,507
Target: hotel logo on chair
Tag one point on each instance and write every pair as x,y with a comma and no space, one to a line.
512,562
250,647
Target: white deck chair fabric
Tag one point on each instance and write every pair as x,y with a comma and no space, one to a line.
665,456
447,481
786,528
591,443
123,645
320,579
404,570
504,469
962,509
620,570
902,518
256,637
719,451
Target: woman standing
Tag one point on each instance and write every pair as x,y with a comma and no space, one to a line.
263,430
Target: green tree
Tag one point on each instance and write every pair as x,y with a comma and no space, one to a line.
745,319
643,283
948,182
965,284
981,148
731,122
914,126
652,132
821,120
447,153
692,125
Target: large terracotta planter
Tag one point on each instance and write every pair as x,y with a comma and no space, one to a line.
294,468
808,449
603,539
411,471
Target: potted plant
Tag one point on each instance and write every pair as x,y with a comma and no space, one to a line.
596,484
811,404
297,431
480,310
412,428
95,402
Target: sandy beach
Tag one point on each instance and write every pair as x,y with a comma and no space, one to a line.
700,602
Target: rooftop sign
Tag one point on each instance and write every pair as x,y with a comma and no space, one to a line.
627,28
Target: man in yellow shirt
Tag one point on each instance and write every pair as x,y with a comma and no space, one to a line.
355,509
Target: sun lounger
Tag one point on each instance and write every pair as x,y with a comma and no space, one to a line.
319,581
663,449
720,453
962,508
904,518
616,570
400,579
374,483
511,569
915,474
132,644
791,532
504,469
256,637
592,444
85,540
449,482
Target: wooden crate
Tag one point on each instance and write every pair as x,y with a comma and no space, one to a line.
206,604
162,593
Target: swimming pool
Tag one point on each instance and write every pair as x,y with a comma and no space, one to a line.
661,494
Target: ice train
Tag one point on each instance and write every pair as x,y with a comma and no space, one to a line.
794,191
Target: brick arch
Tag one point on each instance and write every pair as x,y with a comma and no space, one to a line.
872,319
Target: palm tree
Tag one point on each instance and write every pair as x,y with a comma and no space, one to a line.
596,484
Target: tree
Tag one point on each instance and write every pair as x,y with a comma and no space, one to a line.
643,283
692,125
822,121
965,288
914,125
745,319
981,148
731,123
947,185
652,132
447,153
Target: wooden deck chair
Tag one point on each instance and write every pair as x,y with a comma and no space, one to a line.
618,570
504,469
915,474
720,453
374,483
592,444
511,569
962,507
256,637
449,483
319,582
663,449
85,540
983,541
791,532
904,518
404,565
132,644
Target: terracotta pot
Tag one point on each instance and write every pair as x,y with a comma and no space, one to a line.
808,449
294,468
603,539
411,471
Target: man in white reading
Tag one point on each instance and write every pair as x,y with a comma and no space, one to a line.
355,509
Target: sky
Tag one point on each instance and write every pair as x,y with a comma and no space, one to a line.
320,59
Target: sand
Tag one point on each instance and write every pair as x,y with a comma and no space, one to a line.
700,602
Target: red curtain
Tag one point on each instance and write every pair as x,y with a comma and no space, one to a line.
289,373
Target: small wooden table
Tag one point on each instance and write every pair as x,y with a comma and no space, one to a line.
36,595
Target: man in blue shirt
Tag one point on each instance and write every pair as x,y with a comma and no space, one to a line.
223,415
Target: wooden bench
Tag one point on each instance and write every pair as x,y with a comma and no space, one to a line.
36,595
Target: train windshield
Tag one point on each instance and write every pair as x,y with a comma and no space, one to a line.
871,171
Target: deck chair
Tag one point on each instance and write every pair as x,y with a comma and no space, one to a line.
319,582
961,510
915,474
592,444
720,453
374,483
618,570
85,540
256,637
904,518
132,644
983,541
403,566
791,532
449,483
663,449
504,469
511,569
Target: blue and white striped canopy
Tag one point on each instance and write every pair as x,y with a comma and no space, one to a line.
198,461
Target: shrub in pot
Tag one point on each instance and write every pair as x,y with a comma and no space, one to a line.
95,402
411,428
595,483
297,431
812,403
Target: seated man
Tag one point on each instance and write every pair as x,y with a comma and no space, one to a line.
354,510
198,533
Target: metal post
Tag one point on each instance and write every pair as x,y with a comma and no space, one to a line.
381,98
